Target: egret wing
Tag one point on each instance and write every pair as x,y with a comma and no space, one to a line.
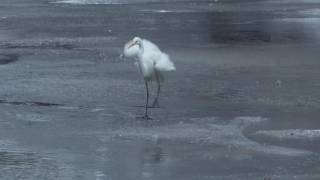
164,63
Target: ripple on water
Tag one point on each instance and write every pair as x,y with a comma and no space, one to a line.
20,163
16,159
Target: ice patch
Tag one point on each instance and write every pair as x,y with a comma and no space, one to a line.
302,134
209,131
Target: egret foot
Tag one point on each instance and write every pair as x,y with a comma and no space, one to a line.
146,117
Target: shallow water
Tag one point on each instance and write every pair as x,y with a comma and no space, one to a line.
243,103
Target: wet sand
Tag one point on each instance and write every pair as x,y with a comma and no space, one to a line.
247,80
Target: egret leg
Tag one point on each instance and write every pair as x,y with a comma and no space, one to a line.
147,103
155,103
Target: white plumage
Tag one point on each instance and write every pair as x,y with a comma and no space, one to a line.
150,57
151,62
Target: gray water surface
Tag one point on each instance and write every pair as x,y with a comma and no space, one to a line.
243,103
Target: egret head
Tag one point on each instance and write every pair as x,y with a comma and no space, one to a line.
136,41
132,48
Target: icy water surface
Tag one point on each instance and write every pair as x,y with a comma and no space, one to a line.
243,103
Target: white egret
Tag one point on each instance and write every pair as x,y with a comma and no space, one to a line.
151,63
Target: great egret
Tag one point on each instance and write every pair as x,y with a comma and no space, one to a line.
151,63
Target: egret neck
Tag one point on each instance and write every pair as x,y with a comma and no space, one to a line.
141,49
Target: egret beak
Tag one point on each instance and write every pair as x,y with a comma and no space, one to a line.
131,44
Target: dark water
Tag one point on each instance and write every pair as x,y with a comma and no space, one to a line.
243,104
